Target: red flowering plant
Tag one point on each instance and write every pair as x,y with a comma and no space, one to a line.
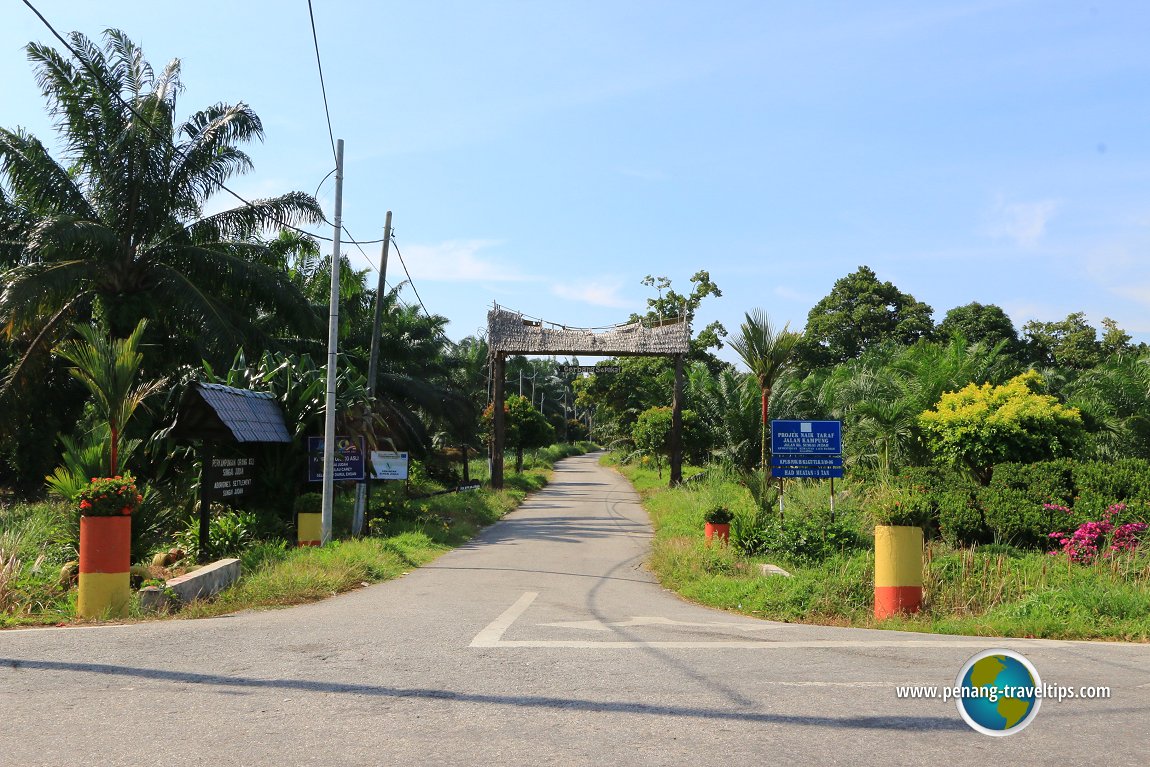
110,497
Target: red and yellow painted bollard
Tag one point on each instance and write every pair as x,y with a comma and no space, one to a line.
309,528
105,562
897,570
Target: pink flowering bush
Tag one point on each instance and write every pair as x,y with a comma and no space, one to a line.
1102,537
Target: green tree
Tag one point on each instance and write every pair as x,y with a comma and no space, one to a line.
729,405
980,426
524,426
108,368
670,305
115,230
767,353
1114,399
618,398
652,434
980,323
859,312
1069,343
880,395
1115,340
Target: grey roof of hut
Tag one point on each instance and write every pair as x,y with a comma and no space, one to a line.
219,413
511,333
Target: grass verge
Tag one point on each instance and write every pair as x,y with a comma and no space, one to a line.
986,591
405,535
278,576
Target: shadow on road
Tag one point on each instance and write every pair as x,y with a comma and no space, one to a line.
899,723
596,576
554,529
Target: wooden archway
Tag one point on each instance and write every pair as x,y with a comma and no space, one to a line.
511,333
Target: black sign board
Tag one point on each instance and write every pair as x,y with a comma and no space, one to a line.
228,478
587,369
349,459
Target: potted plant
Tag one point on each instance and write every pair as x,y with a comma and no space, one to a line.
718,523
899,515
106,508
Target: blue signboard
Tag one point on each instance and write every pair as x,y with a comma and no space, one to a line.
809,472
807,437
806,460
349,463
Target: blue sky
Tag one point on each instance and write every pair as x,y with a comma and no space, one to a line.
549,155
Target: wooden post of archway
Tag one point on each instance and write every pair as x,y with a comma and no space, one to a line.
511,333
498,373
677,424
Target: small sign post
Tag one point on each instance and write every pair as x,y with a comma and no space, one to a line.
221,479
562,369
228,478
807,449
349,459
387,464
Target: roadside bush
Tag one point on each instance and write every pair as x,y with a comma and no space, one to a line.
960,517
230,532
263,553
1015,504
1099,484
897,505
800,539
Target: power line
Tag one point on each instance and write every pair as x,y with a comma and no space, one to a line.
371,265
144,121
409,280
158,134
322,87
321,182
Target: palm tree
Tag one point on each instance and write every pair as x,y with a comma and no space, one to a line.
1115,402
767,353
729,403
115,230
108,369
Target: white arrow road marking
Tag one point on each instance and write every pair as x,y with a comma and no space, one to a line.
645,621
492,636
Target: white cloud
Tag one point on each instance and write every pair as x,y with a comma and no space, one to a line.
1023,222
596,293
1022,311
458,261
790,294
1137,292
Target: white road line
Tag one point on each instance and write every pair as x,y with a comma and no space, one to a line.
491,636
816,644
98,626
640,620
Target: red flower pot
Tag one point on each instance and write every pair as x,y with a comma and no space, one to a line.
720,531
105,562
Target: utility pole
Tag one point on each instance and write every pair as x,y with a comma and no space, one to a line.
372,368
332,351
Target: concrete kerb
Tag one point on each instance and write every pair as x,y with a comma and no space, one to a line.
204,582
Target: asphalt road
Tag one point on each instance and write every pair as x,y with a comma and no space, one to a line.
544,641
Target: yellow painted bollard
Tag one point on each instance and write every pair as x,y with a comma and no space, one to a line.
105,561
309,528
897,570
